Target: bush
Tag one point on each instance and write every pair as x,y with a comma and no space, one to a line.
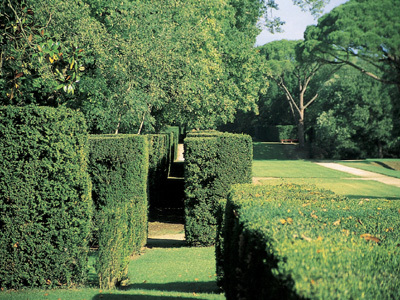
300,242
45,203
119,169
213,162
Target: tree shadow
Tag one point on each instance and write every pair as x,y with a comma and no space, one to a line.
165,243
371,197
209,287
137,297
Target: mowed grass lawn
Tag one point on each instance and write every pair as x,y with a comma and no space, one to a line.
157,274
281,170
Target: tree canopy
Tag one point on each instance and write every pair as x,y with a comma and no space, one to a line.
364,34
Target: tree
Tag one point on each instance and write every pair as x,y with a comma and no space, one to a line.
292,72
357,119
364,34
35,66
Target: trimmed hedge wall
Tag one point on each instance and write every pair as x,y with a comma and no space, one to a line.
173,131
119,170
45,202
159,163
300,242
213,162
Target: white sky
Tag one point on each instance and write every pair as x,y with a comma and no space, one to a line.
296,21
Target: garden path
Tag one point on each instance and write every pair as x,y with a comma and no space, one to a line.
365,175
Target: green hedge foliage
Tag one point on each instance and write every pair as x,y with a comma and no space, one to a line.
174,131
119,170
45,202
159,163
213,162
300,242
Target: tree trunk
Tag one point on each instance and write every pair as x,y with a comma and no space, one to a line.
300,132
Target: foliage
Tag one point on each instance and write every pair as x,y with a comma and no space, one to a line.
293,70
213,161
302,242
174,131
364,34
358,119
119,169
45,202
36,67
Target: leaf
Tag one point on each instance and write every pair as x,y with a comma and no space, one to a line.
369,237
306,238
39,48
30,38
336,223
20,74
289,220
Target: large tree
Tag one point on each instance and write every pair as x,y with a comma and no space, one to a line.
364,34
357,118
293,72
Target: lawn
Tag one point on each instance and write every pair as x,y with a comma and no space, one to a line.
157,274
388,167
269,161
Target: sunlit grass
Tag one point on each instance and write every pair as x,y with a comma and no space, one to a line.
159,273
349,187
293,169
388,167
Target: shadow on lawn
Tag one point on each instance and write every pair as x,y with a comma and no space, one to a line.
209,287
371,197
137,297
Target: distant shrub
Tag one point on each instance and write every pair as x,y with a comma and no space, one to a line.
300,242
45,203
213,162
119,169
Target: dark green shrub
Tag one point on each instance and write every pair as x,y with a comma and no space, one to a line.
300,242
159,162
45,203
119,170
213,162
276,133
173,131
287,132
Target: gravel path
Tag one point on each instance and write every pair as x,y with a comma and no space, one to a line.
365,175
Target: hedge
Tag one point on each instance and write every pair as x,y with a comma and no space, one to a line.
213,162
45,202
300,242
159,163
119,170
174,133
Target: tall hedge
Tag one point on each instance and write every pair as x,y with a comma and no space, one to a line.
45,202
159,162
300,242
213,162
119,169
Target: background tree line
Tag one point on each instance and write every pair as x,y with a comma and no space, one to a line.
340,85
136,66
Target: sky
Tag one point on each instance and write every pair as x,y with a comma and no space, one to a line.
296,21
